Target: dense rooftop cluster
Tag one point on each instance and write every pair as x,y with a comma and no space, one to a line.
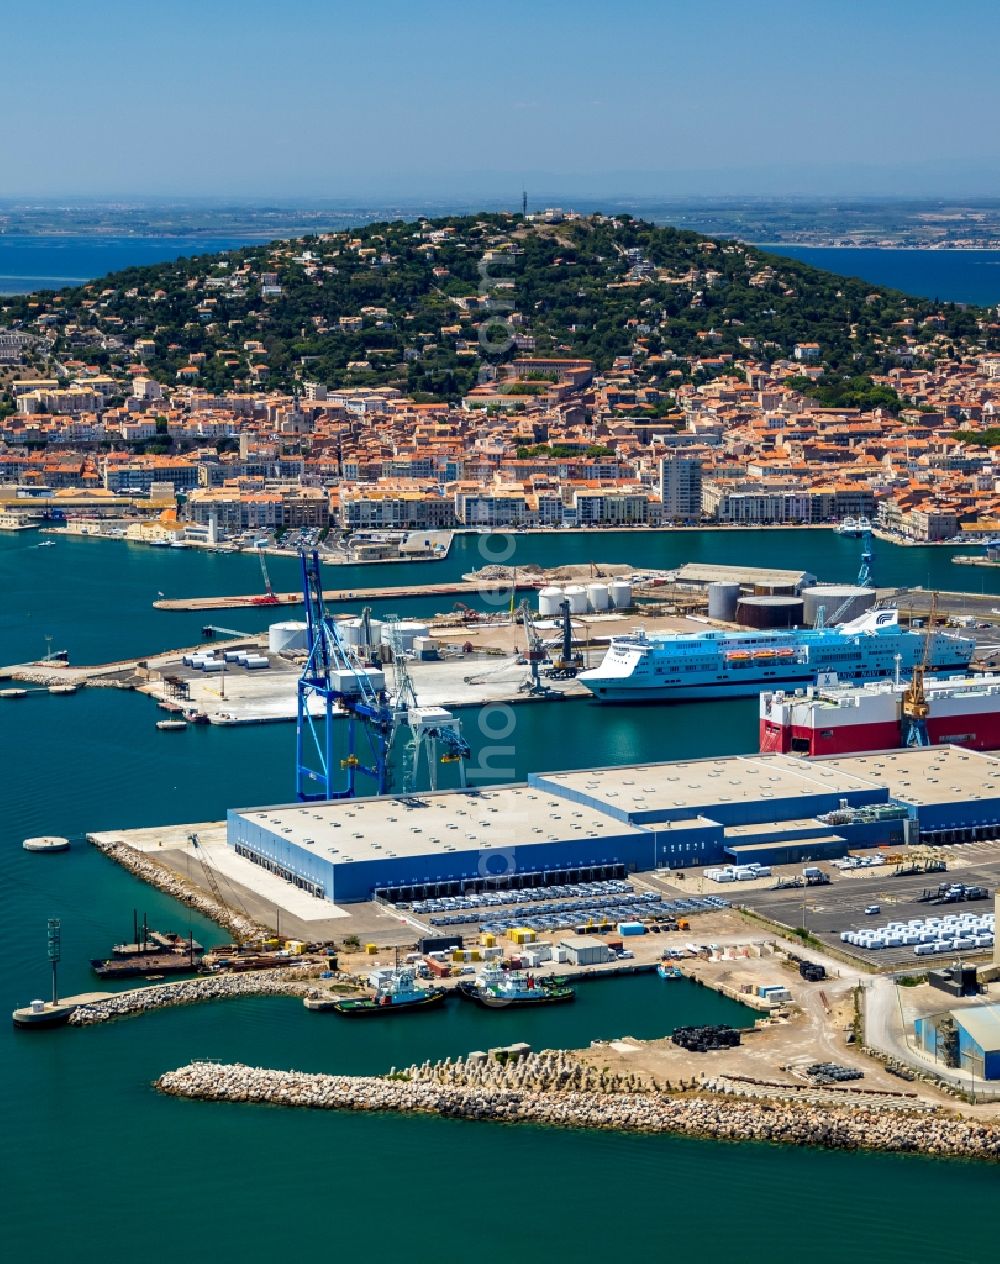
494,371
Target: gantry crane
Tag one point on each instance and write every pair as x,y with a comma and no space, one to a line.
535,654
915,705
568,664
865,580
356,708
269,598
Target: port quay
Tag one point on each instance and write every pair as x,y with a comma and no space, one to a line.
705,1010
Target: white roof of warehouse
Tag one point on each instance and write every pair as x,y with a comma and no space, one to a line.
928,774
435,824
702,783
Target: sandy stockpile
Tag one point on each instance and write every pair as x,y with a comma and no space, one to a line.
551,1088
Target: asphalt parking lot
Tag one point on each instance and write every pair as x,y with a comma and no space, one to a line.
827,910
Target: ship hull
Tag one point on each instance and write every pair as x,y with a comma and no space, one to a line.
618,691
371,1009
843,721
545,996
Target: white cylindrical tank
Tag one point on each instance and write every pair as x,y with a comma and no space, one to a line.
548,600
351,631
850,600
621,593
286,638
723,598
405,633
598,597
576,595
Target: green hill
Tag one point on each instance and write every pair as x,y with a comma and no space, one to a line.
395,303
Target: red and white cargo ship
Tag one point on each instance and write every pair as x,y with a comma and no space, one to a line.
845,719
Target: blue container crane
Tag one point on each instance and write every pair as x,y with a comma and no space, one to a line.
353,730
354,709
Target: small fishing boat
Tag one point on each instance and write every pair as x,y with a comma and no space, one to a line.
669,972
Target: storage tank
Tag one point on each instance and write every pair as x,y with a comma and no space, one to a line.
620,591
405,633
598,597
723,598
833,597
350,631
769,612
576,595
286,638
548,600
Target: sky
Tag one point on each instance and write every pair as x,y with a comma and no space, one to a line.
248,99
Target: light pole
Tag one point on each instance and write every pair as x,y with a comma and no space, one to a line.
55,952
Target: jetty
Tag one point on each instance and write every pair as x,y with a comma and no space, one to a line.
553,1088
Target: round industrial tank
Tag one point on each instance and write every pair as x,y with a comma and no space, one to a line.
405,634
576,595
723,599
620,591
598,597
286,638
846,601
351,632
774,588
549,599
769,612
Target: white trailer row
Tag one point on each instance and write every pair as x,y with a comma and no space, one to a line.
737,873
954,932
206,661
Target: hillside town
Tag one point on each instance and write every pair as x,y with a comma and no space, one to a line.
690,420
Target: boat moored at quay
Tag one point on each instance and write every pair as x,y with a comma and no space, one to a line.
394,991
847,719
496,988
718,664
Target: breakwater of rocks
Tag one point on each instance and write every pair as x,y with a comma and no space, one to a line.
550,1088
293,981
238,924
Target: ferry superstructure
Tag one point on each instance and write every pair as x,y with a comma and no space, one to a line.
667,667
848,719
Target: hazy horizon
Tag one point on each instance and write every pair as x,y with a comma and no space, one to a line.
454,102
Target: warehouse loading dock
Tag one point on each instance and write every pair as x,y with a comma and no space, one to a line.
648,817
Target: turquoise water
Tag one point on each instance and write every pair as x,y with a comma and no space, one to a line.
132,1171
95,597
957,276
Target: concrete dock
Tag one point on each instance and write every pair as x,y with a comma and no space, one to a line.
453,588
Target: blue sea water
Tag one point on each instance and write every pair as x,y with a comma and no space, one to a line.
957,276
98,1167
52,262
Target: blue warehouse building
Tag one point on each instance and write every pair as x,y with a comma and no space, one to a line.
964,1038
597,823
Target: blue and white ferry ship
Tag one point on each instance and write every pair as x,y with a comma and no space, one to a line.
668,667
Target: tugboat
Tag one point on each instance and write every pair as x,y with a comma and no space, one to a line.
394,991
495,988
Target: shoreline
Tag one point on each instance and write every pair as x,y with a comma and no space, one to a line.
554,1090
